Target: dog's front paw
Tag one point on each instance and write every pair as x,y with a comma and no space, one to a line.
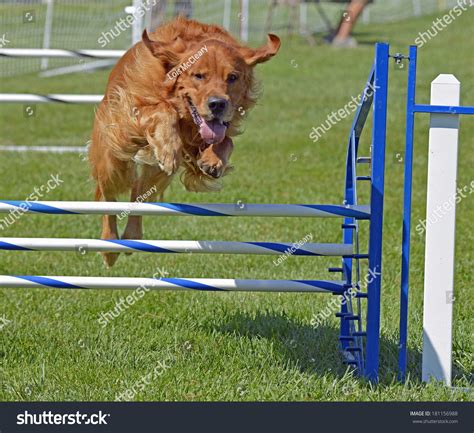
213,160
213,168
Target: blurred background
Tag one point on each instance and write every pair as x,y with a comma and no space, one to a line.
76,24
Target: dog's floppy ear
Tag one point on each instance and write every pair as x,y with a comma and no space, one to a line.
264,53
161,51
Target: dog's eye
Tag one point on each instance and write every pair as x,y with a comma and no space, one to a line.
199,76
232,78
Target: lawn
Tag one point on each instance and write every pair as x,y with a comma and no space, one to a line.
239,346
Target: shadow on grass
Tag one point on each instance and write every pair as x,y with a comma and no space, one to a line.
312,350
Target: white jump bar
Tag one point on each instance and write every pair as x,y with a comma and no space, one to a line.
32,98
44,149
49,52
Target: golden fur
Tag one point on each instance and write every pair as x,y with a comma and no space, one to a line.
144,129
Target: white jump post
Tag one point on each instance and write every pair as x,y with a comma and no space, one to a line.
303,18
48,26
226,15
440,233
244,20
137,26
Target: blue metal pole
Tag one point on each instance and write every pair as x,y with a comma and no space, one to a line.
348,233
410,122
350,197
376,204
446,109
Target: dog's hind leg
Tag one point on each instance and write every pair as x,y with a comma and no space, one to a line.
150,182
134,230
113,177
109,226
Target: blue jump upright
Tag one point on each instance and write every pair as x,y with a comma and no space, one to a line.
359,344
411,109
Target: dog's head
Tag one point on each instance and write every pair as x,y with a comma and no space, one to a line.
212,80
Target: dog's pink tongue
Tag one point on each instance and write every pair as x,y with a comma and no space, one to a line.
212,132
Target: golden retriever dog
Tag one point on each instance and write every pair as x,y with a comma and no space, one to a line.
173,100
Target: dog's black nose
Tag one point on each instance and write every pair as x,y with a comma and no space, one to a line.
217,105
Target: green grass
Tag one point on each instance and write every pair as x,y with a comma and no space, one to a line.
232,346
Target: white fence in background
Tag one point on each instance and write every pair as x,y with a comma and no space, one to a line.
79,24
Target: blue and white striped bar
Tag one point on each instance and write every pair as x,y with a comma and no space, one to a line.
33,98
57,53
201,284
166,209
171,246
44,149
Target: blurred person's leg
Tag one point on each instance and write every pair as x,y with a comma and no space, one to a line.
158,15
342,37
183,8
